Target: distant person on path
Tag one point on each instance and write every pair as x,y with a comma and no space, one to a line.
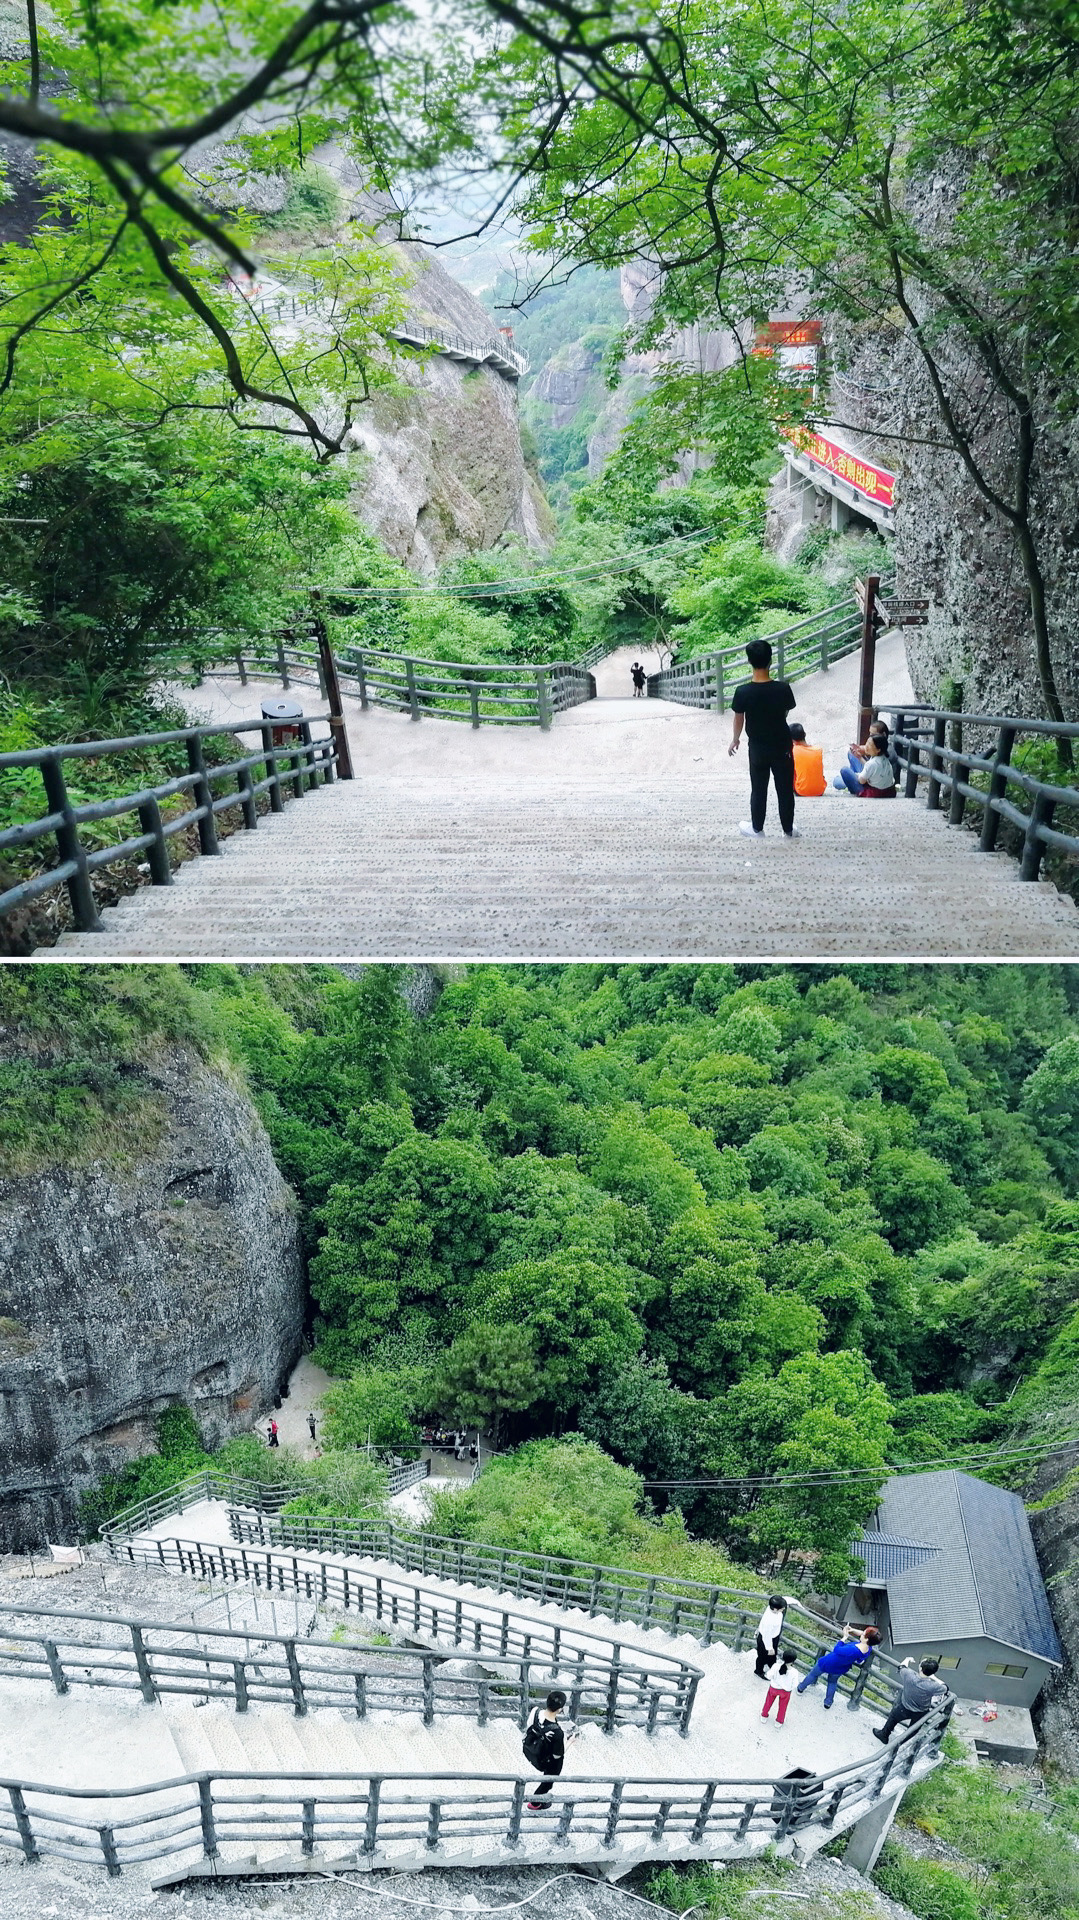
768,1631
809,776
545,1746
777,1691
311,1425
761,705
271,1433
917,1693
847,1653
639,677
857,755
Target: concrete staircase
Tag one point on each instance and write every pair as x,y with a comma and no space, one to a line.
614,834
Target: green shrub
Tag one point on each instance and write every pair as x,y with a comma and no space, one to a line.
931,1892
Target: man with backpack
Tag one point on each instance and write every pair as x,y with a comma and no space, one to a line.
544,1747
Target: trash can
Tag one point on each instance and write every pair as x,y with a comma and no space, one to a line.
285,716
798,1798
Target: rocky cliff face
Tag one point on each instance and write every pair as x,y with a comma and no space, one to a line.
126,1288
446,473
1056,1539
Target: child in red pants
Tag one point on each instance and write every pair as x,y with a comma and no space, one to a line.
778,1689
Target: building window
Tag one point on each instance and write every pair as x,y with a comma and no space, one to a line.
1008,1673
949,1661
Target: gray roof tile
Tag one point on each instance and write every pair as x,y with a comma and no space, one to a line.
982,1580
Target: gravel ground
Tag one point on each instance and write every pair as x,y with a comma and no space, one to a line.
825,1890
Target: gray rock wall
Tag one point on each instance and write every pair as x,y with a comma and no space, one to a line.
1056,1540
125,1289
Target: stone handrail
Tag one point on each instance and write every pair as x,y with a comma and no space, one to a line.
816,642
158,1657
273,769
203,1821
933,745
677,1606
605,1681
484,693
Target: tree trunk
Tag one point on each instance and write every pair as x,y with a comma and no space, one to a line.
1039,616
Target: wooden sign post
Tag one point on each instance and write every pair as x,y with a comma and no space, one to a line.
867,599
333,689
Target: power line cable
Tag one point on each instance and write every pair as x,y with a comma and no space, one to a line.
897,1470
536,582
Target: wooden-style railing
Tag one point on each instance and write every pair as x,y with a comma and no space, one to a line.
965,760
276,769
482,694
156,1658
616,1685
816,642
387,1818
620,1594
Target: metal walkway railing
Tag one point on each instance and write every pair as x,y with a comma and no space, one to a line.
816,642
399,1819
934,745
203,793
488,694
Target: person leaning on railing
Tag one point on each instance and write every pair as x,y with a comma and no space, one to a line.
918,1692
848,1652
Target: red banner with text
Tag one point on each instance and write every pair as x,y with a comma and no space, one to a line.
876,483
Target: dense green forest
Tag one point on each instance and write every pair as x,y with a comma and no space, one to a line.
711,1219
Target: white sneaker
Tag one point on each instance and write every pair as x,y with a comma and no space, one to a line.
792,835
750,831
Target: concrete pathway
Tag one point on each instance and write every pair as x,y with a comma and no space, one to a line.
613,836
727,1737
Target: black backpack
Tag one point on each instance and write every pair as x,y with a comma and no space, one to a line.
537,1745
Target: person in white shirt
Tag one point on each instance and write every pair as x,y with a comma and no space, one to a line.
876,778
768,1631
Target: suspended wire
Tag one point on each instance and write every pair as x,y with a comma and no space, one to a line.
837,1477
536,582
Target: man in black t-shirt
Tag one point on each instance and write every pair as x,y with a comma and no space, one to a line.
761,705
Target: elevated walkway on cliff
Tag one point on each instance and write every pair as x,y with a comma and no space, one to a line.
213,1772
613,835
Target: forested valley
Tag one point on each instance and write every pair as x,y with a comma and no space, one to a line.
643,1223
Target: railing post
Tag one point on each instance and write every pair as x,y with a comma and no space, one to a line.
69,846
957,801
474,697
282,663
308,761
360,673
434,1815
687,1705
59,1677
206,1816
701,1822
239,1676
246,789
277,804
612,1690
413,695
22,1821
300,1704
157,852
241,670
517,1807
782,661
1041,815
146,1678
543,700
307,1843
361,1696
108,1848
202,794
859,1686
370,1831
932,797
998,786
428,1691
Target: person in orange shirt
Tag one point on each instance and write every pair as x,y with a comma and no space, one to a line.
809,780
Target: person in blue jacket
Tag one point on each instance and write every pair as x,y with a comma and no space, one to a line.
851,1651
